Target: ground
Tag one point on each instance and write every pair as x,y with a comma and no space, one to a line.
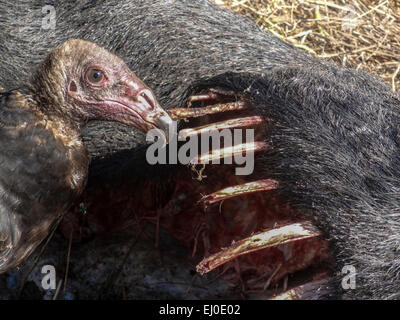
362,34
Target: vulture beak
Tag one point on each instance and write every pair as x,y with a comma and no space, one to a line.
144,110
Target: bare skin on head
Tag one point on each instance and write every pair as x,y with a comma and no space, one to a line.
81,81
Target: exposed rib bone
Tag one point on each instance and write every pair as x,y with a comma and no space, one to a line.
227,124
266,239
238,190
212,93
183,113
203,97
229,152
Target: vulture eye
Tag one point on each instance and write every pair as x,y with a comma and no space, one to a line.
95,76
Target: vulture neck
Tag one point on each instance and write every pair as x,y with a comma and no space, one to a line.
47,89
56,119
56,109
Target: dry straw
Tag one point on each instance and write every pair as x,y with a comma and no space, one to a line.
364,34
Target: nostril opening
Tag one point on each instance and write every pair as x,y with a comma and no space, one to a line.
148,98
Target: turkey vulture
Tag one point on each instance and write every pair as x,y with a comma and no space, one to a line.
44,164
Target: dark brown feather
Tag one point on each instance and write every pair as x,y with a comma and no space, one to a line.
42,170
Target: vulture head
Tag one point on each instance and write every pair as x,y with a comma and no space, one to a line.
81,81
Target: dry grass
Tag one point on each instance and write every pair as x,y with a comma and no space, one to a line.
364,34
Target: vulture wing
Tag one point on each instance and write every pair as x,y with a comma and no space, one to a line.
36,174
